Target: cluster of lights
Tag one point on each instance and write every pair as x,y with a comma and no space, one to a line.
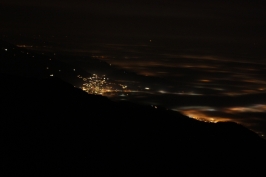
94,84
100,85
123,86
211,120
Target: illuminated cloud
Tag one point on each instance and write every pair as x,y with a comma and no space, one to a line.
252,108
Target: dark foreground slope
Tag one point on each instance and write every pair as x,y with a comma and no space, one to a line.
49,127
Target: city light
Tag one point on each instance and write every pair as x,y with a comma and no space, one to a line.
101,85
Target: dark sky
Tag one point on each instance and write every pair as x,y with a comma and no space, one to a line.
199,26
135,18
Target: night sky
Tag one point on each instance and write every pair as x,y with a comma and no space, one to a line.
236,21
209,54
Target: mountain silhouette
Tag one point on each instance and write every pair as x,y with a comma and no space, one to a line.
49,127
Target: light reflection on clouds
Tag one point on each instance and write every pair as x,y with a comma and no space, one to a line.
207,87
200,115
252,108
243,75
249,116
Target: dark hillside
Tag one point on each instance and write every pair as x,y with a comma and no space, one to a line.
49,127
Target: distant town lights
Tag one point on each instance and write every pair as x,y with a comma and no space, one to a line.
162,91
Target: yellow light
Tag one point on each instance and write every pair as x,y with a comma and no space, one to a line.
205,80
